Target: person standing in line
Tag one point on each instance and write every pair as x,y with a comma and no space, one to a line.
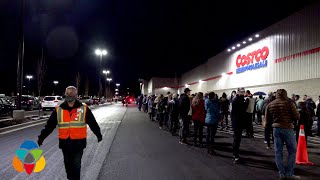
259,106
280,113
238,119
151,107
304,120
250,101
267,127
140,101
161,110
173,110
224,107
184,107
198,117
318,116
311,106
72,118
213,117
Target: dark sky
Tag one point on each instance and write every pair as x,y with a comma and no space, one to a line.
144,38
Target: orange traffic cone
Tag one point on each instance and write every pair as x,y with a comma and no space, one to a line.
302,153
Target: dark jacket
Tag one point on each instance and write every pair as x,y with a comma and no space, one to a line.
238,113
318,111
173,108
281,112
184,105
68,143
311,106
224,104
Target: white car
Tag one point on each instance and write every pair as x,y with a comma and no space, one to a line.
50,102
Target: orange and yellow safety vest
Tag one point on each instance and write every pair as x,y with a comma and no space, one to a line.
72,124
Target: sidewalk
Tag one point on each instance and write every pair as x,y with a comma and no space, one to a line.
141,150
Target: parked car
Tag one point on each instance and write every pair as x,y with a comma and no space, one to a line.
87,100
29,103
50,102
6,107
98,100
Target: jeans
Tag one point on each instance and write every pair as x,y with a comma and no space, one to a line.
184,128
287,136
267,132
161,119
198,127
211,133
174,124
249,128
237,134
259,116
72,163
225,118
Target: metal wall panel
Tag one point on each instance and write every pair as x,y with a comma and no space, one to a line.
298,33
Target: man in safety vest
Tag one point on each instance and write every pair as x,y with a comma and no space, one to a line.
72,118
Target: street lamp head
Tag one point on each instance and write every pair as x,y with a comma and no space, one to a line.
98,52
29,77
117,84
109,79
55,82
104,52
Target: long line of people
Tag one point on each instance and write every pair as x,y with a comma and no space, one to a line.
274,113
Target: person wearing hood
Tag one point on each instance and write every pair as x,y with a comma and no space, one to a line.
238,119
311,106
212,119
280,114
224,107
72,118
184,108
267,127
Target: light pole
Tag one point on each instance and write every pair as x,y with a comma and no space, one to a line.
55,85
100,53
106,72
109,79
29,77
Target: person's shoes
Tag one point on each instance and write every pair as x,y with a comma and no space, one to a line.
265,142
269,147
236,160
160,127
293,177
282,177
226,128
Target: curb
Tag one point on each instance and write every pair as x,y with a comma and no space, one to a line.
21,125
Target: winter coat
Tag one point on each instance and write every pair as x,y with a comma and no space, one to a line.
224,104
212,112
198,112
281,112
173,108
251,102
259,105
238,113
311,106
184,105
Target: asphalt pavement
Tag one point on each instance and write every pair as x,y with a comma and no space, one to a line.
134,148
141,151
108,117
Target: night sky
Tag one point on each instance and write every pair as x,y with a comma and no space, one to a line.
144,38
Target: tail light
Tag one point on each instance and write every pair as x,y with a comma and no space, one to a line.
130,100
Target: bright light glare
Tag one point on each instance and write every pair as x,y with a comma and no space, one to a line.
29,77
233,47
238,45
165,88
257,35
229,50
55,82
250,39
117,89
98,52
224,74
200,81
109,79
244,42
104,52
117,84
186,85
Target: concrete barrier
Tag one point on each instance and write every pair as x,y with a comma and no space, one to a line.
18,114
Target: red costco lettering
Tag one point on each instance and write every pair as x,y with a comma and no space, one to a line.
258,55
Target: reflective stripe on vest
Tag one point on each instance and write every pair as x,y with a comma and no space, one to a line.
72,124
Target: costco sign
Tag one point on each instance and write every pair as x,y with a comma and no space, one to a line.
253,60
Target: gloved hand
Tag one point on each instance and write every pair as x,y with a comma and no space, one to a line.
40,141
99,139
